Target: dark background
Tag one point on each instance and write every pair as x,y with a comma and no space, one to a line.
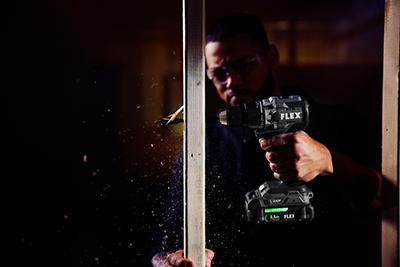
86,169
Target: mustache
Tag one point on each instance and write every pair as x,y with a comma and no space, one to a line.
238,92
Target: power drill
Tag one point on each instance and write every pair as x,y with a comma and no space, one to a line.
274,201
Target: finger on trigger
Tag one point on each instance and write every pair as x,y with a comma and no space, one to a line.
263,143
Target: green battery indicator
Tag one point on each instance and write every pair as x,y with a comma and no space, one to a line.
274,210
268,216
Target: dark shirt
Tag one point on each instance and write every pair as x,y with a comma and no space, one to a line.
236,164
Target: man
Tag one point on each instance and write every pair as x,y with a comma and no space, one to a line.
336,163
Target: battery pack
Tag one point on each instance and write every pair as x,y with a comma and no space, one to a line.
275,201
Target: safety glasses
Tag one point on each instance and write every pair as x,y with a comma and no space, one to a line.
238,68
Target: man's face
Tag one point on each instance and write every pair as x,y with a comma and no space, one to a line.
235,55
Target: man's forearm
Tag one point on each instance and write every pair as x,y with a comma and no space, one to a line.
359,184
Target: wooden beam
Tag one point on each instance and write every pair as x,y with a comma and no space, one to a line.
194,130
390,136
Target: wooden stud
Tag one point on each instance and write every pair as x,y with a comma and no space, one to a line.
390,136
194,130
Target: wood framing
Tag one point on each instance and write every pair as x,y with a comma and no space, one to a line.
194,133
390,136
194,130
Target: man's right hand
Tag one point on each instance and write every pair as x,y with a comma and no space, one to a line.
175,259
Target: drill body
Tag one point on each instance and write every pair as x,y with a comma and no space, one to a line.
268,117
274,201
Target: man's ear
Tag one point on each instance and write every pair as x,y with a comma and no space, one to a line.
273,57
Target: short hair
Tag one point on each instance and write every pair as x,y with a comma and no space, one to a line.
237,24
